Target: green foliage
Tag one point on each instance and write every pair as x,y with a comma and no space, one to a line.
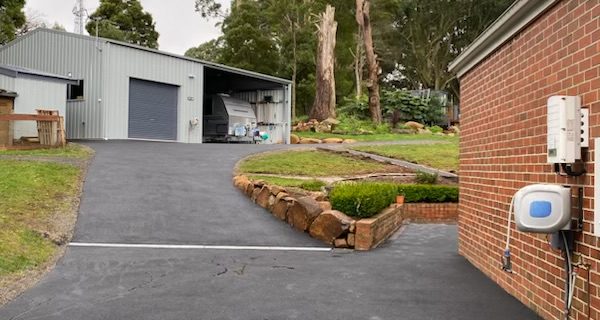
366,199
403,105
208,51
418,39
12,18
436,129
426,178
310,185
124,20
362,199
428,193
357,107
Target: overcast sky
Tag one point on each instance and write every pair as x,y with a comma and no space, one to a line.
180,27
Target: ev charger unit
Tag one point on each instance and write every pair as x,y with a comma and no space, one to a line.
543,208
565,125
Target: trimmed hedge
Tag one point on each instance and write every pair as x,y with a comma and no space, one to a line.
362,199
428,193
366,199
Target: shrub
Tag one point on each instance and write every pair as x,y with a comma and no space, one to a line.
411,108
366,199
357,107
426,178
354,125
436,129
428,193
362,199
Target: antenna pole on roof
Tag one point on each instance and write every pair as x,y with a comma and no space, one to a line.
79,12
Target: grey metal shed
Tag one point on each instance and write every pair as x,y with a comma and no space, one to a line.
104,106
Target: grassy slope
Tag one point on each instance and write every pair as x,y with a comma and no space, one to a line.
310,185
71,151
31,193
376,137
442,156
308,163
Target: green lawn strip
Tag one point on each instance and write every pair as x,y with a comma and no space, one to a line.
310,185
442,156
377,137
70,151
30,193
309,163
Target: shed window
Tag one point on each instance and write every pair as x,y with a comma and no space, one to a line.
75,91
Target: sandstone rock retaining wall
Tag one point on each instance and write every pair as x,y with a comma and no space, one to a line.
313,214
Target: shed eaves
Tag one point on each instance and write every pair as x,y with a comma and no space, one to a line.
15,71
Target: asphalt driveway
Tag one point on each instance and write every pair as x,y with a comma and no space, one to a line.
175,194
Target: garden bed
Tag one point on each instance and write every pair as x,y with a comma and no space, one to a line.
312,212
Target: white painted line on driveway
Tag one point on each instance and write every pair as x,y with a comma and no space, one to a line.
201,247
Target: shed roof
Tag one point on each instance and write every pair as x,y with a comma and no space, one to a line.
516,18
18,72
173,55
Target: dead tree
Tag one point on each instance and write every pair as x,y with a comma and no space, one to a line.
324,105
364,23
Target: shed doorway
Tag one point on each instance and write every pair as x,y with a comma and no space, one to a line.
152,110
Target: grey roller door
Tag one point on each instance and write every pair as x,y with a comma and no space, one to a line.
152,110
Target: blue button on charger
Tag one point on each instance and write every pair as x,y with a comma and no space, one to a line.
540,209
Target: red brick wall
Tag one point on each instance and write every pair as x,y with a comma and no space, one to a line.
503,148
370,232
430,212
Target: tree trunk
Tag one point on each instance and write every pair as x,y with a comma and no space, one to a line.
364,22
359,63
324,105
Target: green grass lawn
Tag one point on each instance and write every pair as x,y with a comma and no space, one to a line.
442,156
377,137
70,151
310,185
31,193
309,163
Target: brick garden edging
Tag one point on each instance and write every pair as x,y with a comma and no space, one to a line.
313,214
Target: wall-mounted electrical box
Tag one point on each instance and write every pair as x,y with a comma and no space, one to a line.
543,208
564,129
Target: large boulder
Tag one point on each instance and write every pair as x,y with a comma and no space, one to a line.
281,206
309,141
323,128
294,139
303,212
241,182
331,121
249,189
330,225
333,140
414,125
262,199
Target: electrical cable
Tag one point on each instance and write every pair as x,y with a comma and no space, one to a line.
506,264
570,277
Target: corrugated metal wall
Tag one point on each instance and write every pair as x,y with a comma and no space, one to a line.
123,63
106,69
37,94
7,83
274,115
64,54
